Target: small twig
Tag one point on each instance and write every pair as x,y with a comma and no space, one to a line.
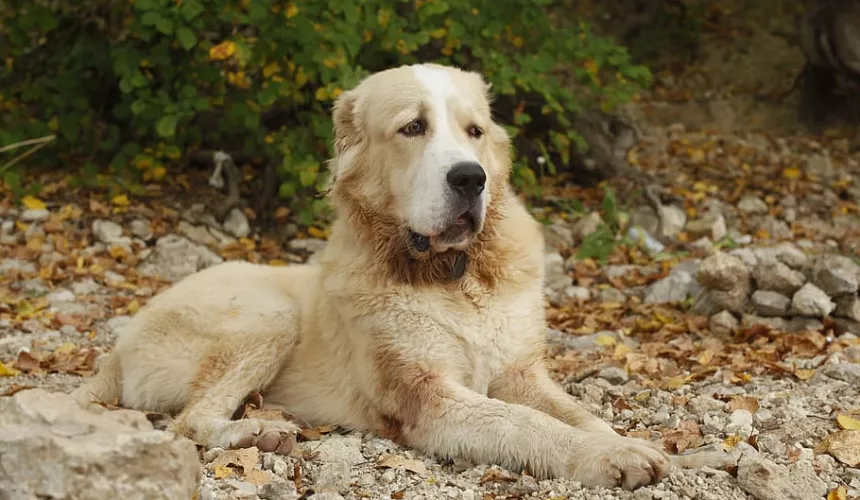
37,145
28,142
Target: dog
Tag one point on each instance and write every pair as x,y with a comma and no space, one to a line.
421,321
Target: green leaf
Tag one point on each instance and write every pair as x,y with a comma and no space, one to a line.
166,126
138,106
144,4
186,38
150,18
165,26
190,9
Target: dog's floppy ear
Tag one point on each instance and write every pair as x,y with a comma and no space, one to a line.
347,133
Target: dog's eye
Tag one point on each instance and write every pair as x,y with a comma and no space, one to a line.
475,131
413,128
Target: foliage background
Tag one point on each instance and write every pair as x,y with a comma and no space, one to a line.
129,88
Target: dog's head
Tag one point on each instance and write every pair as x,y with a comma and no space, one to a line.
417,145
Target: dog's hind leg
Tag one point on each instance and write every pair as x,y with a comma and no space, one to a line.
242,363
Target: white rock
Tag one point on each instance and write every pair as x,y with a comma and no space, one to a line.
723,323
740,423
812,301
672,221
35,215
614,375
765,480
774,276
835,275
848,307
767,303
750,205
176,257
52,448
724,272
237,224
106,231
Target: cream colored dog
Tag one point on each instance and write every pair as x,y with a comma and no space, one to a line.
422,320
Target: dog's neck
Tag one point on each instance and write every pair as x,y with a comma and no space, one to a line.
483,259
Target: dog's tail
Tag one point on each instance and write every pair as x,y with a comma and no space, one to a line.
104,387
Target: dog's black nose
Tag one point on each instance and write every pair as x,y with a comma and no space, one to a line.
467,178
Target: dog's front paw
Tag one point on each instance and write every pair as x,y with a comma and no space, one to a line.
619,462
278,436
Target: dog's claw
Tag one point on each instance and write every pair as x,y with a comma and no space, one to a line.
272,441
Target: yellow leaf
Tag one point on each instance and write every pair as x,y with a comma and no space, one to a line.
804,374
8,371
291,11
676,382
278,262
605,340
33,203
120,200
621,350
66,348
791,173
847,422
133,306
222,471
838,493
224,50
732,441
321,94
844,446
316,232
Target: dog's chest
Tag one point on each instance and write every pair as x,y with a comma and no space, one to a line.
488,337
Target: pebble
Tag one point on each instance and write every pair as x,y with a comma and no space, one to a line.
35,215
614,375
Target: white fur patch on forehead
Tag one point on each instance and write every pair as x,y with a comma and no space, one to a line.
437,81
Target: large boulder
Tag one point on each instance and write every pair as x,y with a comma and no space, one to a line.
52,448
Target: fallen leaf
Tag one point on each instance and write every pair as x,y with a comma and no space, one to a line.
244,458
605,340
848,423
747,403
222,471
844,446
398,462
33,203
494,475
258,477
676,382
688,435
838,493
8,371
120,200
804,374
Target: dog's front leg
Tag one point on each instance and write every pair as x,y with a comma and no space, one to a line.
528,383
441,417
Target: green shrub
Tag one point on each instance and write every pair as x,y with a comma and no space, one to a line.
130,87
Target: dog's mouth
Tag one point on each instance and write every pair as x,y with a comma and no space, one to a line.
455,234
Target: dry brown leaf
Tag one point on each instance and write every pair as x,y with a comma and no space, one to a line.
397,462
686,436
497,475
747,403
844,446
244,458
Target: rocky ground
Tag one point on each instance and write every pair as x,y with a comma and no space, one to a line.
729,320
